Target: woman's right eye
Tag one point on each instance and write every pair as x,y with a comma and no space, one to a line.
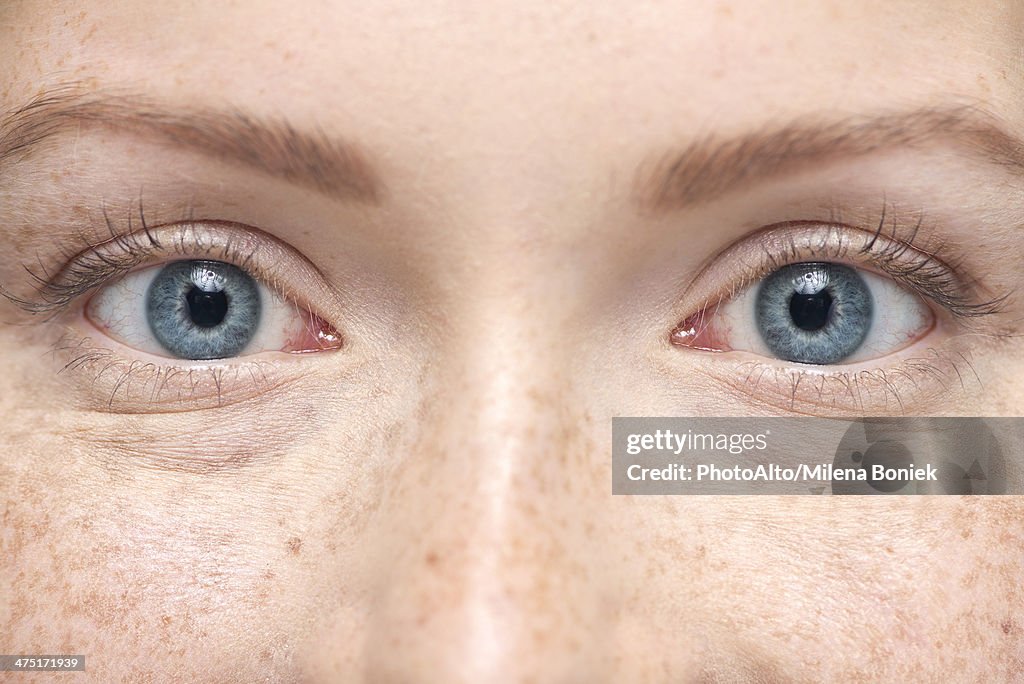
203,309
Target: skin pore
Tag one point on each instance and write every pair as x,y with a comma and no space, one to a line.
503,211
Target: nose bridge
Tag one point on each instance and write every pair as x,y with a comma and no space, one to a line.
492,546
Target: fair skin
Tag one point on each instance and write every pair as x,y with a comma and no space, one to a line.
431,501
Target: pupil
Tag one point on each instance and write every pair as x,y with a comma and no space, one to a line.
207,309
810,311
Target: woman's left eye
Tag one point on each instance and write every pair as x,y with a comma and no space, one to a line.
818,313
200,310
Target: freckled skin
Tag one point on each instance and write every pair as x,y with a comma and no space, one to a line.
444,514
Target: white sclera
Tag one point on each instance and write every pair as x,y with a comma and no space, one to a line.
119,309
900,316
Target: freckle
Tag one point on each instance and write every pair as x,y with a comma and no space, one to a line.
294,546
983,84
967,533
432,559
166,619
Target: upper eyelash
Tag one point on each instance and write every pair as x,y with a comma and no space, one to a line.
99,262
942,282
898,256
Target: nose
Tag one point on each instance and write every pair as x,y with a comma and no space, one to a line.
484,554
493,571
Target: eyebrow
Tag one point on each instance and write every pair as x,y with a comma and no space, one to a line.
274,146
705,169
711,166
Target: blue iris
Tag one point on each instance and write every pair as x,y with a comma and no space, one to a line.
814,312
203,309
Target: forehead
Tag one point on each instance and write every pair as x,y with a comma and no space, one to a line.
508,93
475,61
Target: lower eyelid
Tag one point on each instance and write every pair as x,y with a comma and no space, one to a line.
104,379
916,381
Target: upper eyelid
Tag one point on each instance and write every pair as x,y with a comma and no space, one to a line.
888,251
257,252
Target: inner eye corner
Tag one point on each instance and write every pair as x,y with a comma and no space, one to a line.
695,331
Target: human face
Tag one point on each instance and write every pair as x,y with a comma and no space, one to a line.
492,220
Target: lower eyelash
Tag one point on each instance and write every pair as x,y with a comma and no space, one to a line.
118,384
899,388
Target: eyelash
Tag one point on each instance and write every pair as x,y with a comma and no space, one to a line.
95,263
926,272
923,271
845,391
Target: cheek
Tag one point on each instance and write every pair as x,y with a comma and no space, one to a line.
154,534
975,580
101,569
870,590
